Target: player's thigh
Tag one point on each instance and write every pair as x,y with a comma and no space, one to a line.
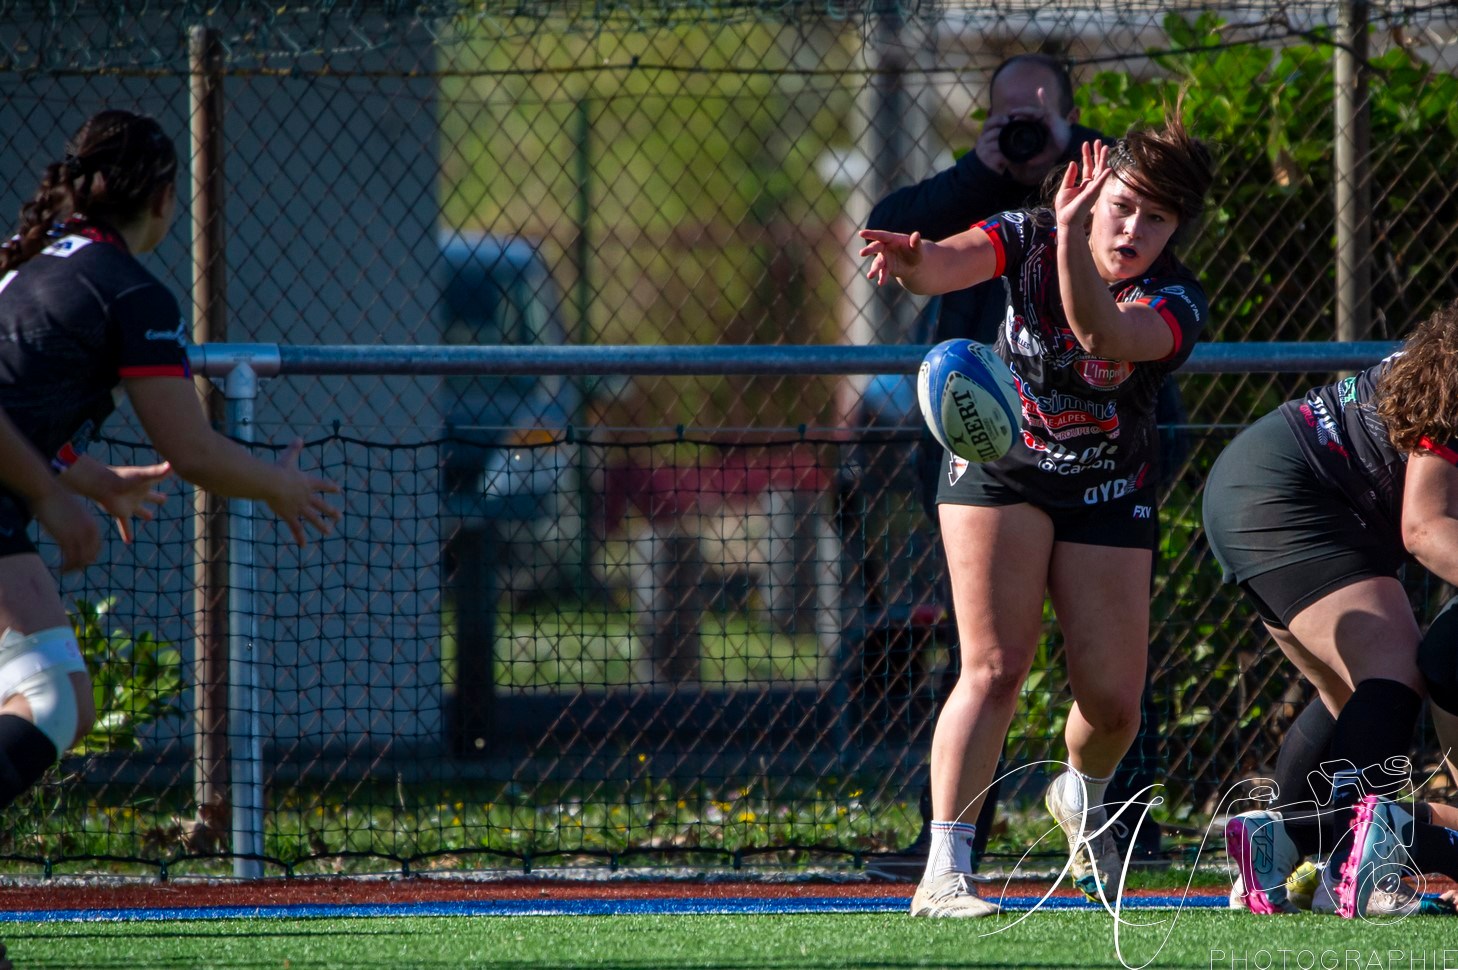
997,564
1101,597
1362,630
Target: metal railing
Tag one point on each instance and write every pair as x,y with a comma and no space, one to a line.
243,366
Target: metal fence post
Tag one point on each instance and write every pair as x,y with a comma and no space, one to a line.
1353,119
210,554
245,738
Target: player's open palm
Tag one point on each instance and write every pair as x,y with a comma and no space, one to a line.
133,494
299,498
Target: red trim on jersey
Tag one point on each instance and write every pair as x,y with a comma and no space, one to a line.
1442,451
997,247
157,370
66,457
1156,303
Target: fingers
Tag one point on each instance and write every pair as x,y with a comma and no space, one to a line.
290,455
124,527
324,485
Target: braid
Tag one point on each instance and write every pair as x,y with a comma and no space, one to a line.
113,168
53,201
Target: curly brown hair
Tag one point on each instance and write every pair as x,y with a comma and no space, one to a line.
113,167
1417,393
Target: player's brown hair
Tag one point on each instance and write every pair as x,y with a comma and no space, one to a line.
1168,166
113,168
1417,394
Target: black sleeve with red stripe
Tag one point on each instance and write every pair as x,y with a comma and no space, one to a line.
1182,304
153,338
1008,233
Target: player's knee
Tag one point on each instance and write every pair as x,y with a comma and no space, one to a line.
1111,713
993,676
38,666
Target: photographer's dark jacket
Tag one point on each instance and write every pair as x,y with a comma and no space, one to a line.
953,201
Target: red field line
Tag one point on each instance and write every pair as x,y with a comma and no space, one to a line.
283,892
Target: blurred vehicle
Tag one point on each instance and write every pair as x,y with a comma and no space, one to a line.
508,472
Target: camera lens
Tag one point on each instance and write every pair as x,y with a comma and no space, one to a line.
1021,139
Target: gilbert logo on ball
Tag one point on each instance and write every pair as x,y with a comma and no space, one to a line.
968,399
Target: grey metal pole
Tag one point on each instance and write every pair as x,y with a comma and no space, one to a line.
1353,119
210,545
245,737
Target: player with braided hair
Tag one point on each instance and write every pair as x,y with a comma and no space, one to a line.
79,315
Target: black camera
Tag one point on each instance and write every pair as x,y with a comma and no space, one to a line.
1021,139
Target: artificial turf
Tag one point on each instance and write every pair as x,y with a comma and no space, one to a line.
1196,938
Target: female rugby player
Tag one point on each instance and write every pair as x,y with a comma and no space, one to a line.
1101,312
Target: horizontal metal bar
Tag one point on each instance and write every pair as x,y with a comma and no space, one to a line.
216,360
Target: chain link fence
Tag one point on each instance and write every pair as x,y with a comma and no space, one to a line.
636,615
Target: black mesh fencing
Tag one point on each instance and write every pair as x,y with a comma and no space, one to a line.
645,617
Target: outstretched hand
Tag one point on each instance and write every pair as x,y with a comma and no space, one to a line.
1082,182
299,499
66,519
132,494
893,254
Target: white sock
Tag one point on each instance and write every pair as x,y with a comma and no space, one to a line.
951,848
1096,787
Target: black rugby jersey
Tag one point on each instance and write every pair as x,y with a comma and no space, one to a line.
1089,433
1346,444
74,321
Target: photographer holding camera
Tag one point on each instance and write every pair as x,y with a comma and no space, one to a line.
1031,130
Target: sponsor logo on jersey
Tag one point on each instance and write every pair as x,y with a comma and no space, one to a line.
66,246
1058,460
1020,336
1143,512
1319,419
1116,488
1103,373
1347,391
1066,416
178,336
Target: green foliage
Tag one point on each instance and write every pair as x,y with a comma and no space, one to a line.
1266,250
135,679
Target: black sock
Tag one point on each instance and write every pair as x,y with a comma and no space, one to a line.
1374,727
1435,849
25,754
1300,785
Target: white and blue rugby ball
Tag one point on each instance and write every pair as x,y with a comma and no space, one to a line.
968,399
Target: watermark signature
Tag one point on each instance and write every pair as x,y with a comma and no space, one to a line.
1392,779
1284,958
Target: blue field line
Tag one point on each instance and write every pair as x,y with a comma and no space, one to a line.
567,907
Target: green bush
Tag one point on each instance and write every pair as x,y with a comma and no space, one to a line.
136,679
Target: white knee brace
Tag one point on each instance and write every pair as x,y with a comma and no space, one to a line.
38,666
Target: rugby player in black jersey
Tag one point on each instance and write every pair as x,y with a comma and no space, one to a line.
80,318
1100,313
1313,510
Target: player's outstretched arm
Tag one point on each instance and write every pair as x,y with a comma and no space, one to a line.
172,415
64,517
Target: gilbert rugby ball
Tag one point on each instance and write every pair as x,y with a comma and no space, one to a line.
968,400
